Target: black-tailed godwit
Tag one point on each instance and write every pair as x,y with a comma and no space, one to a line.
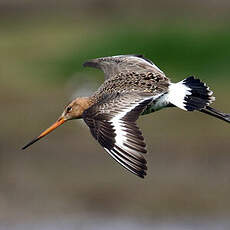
133,86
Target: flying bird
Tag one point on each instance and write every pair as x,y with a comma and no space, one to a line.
133,86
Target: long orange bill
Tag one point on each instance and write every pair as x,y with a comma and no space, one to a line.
59,122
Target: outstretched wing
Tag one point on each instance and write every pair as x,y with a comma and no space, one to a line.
123,64
112,123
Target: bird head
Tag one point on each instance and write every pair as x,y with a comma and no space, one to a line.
75,109
72,111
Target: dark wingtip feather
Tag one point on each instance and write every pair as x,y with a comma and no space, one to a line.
141,176
91,63
227,118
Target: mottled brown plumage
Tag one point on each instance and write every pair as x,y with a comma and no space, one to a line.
129,81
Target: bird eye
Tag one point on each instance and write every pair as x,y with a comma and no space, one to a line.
68,109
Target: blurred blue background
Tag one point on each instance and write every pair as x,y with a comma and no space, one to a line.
67,181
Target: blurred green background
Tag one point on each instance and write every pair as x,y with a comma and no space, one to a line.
67,176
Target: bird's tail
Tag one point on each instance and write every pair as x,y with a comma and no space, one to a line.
213,112
190,94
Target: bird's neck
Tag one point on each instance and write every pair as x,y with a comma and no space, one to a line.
86,102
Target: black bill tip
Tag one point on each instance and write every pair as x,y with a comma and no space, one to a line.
30,143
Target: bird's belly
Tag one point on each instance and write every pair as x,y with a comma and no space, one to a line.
159,103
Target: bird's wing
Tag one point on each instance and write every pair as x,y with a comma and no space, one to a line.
112,123
123,64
